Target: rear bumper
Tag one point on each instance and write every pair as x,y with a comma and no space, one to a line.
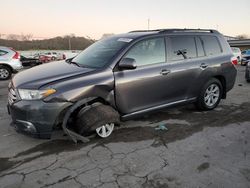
36,117
16,65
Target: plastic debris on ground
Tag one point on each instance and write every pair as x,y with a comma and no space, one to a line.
161,127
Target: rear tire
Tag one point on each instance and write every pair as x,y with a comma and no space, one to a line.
96,118
5,72
210,95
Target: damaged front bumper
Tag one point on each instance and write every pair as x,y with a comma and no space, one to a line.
37,118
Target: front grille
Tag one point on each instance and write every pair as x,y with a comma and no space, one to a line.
12,96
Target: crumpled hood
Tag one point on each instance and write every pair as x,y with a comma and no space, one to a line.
40,75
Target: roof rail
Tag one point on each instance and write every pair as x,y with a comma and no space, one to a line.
177,30
144,31
187,30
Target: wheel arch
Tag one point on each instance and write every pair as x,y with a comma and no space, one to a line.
224,85
7,65
74,110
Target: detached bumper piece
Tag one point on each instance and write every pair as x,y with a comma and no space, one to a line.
73,135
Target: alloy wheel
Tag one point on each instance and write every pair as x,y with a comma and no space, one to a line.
212,95
4,73
105,130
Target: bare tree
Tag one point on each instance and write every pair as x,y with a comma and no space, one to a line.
13,37
105,35
242,36
26,37
90,39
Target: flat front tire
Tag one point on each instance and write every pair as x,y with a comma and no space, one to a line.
210,95
97,118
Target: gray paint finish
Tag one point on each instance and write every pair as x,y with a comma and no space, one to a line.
131,92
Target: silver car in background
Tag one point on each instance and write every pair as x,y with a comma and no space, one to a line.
9,62
237,53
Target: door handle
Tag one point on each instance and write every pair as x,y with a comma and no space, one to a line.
165,72
203,65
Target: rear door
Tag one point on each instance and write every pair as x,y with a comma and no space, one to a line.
185,60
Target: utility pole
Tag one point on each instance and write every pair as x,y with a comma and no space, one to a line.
69,43
148,23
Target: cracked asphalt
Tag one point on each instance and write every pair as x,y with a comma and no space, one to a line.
199,149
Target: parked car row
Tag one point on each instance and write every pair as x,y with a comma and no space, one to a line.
29,62
245,57
49,56
11,61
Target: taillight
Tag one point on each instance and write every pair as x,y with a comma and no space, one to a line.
16,56
234,61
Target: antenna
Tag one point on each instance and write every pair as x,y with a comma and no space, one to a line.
148,24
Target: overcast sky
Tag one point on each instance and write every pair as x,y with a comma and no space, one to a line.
49,18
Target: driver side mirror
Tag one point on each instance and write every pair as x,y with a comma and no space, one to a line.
127,63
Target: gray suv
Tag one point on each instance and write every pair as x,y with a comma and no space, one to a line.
121,77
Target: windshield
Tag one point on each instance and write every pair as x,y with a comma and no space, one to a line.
236,50
100,53
246,52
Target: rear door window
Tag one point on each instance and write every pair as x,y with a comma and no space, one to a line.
211,45
2,52
182,47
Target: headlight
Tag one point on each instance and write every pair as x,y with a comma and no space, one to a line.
27,94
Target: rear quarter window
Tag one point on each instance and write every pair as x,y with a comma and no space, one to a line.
2,52
211,45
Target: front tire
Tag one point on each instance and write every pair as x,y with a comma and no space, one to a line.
97,118
210,95
5,72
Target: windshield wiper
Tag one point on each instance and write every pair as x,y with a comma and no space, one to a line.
69,61
75,63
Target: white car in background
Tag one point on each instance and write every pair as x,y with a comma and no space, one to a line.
9,62
55,55
237,53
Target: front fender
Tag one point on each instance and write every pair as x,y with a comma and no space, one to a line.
73,135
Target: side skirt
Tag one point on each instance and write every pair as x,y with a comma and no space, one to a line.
155,108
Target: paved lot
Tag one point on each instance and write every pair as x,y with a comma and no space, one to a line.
200,149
